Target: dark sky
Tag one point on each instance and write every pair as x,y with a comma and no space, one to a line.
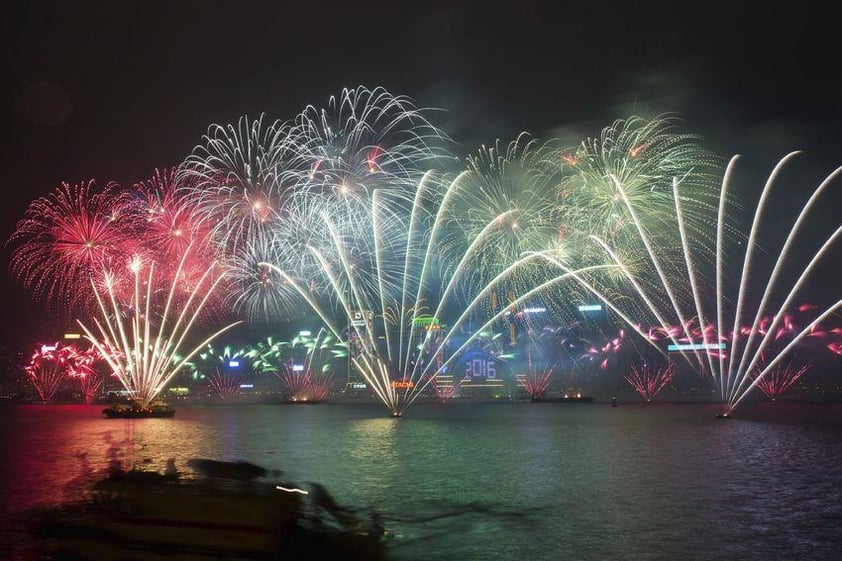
111,90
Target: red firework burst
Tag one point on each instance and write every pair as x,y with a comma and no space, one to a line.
779,379
170,225
48,368
649,380
226,384
65,238
82,368
537,381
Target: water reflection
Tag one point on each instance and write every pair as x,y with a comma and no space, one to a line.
499,481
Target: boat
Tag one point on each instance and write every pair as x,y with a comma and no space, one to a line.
305,401
133,410
224,510
578,398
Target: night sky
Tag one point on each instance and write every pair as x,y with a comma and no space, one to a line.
112,90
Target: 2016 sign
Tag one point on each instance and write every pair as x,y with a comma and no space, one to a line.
480,368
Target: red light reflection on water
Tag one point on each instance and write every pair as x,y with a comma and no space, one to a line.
53,452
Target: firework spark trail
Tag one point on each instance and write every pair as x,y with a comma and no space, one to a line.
602,297
82,368
239,179
48,367
750,245
732,374
374,369
484,292
144,363
67,236
720,269
649,381
365,139
539,289
537,380
461,265
652,254
225,384
737,397
691,273
642,293
779,316
296,382
736,380
352,291
510,268
773,277
449,194
313,380
369,365
780,379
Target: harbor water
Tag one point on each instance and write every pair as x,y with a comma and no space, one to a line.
483,481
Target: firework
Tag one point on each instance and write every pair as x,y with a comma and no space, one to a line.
365,139
169,225
225,384
377,285
649,380
310,377
605,351
66,238
695,296
238,180
296,380
82,368
645,157
267,356
408,268
258,292
226,357
142,345
505,205
779,379
537,381
48,368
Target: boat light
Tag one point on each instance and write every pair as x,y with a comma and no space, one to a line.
292,490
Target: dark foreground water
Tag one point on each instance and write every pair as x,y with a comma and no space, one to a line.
507,481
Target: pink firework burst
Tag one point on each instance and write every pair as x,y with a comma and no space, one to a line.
537,381
606,351
170,225
173,233
649,380
65,238
306,385
82,368
225,384
320,385
296,381
779,379
49,367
